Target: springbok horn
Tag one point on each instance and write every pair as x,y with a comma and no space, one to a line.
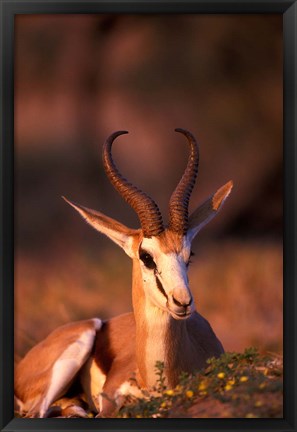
147,210
179,201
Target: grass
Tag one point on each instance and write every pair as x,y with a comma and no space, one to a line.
244,385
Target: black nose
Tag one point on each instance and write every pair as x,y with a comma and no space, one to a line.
185,305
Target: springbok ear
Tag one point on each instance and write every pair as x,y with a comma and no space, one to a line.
117,232
206,211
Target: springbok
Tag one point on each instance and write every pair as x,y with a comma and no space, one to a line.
164,325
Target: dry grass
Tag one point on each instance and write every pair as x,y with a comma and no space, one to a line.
238,286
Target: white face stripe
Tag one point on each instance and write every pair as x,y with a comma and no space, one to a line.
171,272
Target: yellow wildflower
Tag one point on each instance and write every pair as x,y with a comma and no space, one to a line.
244,378
169,392
189,393
163,405
202,386
231,382
228,387
221,375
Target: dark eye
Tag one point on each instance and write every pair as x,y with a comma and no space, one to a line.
147,260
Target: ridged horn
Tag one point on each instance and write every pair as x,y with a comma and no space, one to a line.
147,210
179,201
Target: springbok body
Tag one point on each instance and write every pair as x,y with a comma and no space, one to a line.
164,325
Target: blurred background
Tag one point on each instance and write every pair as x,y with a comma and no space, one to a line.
78,78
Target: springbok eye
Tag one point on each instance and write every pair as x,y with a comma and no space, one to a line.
147,260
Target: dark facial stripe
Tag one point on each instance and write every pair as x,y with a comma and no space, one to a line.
160,287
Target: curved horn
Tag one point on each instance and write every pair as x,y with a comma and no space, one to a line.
179,201
147,210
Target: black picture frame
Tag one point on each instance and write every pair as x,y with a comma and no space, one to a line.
8,10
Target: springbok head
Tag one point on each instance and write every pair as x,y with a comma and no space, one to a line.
162,253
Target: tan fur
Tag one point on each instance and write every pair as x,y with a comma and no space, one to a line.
92,379
170,242
115,356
